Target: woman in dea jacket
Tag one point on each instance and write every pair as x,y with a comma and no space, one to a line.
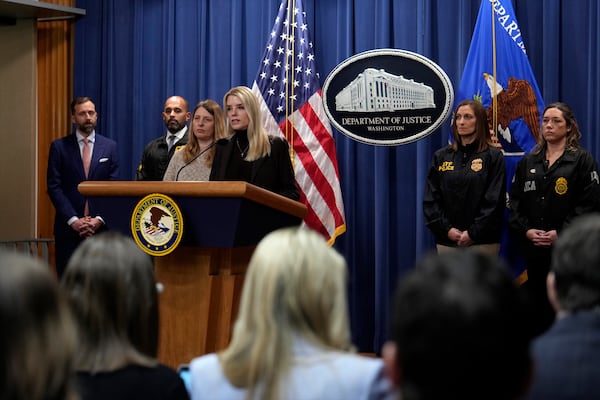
554,184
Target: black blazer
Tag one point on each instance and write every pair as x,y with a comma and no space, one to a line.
566,359
273,172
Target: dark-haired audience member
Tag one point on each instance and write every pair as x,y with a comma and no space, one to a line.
291,339
110,286
552,185
457,331
465,191
37,334
566,357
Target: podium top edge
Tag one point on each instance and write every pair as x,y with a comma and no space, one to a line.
239,189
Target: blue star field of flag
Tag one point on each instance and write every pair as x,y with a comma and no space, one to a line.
287,77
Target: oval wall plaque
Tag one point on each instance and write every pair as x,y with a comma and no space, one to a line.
387,97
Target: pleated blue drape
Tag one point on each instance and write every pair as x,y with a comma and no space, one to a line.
130,55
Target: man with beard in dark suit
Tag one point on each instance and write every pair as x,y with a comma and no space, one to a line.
81,156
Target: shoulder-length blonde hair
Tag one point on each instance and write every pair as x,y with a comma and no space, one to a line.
573,135
482,127
295,287
258,139
110,286
38,337
192,148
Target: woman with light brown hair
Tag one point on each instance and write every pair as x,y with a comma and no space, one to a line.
193,162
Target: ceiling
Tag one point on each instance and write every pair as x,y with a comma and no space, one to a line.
11,10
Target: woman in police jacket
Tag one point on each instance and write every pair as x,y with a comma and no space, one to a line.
465,190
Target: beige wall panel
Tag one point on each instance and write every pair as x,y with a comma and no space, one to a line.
18,130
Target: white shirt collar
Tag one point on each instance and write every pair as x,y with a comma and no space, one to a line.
91,137
179,134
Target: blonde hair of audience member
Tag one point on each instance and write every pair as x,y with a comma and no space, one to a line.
258,139
295,287
111,289
192,148
38,336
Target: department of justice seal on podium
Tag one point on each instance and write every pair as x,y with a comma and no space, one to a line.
157,224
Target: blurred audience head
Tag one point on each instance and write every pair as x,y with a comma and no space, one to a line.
574,278
37,334
295,288
458,331
110,286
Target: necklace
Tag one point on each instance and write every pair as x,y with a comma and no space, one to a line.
242,152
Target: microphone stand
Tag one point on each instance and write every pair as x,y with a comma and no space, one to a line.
192,160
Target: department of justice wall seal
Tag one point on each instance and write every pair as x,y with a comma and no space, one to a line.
157,224
387,97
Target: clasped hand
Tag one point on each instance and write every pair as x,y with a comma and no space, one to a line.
541,238
86,226
461,238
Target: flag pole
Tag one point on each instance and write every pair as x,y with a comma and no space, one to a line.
290,82
494,61
312,145
286,79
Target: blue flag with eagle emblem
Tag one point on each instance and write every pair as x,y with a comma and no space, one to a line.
497,66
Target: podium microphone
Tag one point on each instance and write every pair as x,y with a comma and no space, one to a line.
192,160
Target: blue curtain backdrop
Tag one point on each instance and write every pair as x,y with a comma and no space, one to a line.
130,55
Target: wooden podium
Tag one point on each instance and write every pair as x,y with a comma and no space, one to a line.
202,278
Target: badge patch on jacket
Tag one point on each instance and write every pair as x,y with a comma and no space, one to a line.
446,166
561,186
477,164
529,186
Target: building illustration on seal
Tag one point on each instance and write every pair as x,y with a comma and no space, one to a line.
375,90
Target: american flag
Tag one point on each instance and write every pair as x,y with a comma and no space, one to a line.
287,86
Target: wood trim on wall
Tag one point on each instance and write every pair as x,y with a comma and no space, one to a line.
55,89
